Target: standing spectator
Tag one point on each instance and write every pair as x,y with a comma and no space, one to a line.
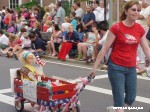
37,14
2,22
47,11
88,19
52,7
98,11
125,37
37,45
3,9
78,10
73,20
7,18
60,14
24,13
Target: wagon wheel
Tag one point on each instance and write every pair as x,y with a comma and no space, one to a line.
19,105
76,109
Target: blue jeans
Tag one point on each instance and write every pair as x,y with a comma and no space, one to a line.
123,80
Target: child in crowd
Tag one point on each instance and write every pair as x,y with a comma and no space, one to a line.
49,24
25,45
13,41
11,28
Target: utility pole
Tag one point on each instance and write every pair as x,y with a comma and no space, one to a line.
110,12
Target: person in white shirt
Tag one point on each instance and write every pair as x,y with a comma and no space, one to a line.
49,23
4,41
66,24
99,11
78,10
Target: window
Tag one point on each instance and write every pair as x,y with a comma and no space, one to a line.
13,3
89,2
38,1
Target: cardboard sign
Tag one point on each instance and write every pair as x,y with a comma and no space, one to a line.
30,90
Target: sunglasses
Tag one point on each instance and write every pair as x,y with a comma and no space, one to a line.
134,10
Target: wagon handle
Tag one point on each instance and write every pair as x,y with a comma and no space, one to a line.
74,98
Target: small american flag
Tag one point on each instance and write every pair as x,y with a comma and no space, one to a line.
39,61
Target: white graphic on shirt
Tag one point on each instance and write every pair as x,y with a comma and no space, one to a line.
130,39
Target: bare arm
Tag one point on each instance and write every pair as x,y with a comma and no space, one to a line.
148,20
89,23
145,47
58,20
141,17
109,40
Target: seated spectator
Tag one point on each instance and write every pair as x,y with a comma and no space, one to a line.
22,31
99,42
79,28
66,24
36,29
4,41
69,42
13,41
25,45
49,24
37,45
91,40
11,28
55,41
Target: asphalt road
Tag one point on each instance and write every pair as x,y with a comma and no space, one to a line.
95,98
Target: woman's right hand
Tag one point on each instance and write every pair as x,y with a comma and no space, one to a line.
93,72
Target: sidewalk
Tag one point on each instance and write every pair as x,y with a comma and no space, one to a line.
75,61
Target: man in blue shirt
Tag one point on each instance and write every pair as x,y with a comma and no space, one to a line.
37,45
88,19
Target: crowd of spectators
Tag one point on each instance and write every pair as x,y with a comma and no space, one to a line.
69,36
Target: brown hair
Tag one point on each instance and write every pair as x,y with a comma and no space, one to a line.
67,19
126,7
49,22
47,9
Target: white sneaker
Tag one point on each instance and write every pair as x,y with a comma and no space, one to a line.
67,56
1,52
110,109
